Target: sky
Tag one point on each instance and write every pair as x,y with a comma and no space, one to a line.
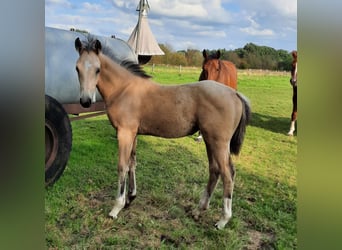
185,24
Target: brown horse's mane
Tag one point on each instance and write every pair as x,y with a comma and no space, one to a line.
131,66
294,55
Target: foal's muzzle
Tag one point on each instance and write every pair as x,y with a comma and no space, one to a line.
85,102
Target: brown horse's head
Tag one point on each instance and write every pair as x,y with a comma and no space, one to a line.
218,70
211,66
88,70
293,79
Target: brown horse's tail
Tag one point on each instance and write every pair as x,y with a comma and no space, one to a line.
239,134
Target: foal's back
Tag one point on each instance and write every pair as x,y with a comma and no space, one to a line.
177,111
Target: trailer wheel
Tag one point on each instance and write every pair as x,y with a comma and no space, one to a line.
58,140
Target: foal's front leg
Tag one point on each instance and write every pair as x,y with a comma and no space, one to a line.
132,187
126,142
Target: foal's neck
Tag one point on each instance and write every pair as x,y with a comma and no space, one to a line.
113,78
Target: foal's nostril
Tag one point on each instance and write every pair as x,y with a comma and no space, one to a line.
85,102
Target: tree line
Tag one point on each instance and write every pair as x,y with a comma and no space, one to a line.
251,56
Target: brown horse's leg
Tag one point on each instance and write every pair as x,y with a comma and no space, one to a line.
293,121
132,188
126,141
294,111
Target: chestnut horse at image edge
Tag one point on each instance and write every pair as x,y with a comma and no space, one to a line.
137,105
293,82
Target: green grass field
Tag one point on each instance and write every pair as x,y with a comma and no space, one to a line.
171,175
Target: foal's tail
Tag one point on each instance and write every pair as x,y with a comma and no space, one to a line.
239,134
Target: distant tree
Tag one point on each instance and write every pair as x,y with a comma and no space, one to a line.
163,59
194,57
231,56
178,58
250,56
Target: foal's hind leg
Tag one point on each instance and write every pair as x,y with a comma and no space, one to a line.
227,175
212,182
126,141
220,164
213,178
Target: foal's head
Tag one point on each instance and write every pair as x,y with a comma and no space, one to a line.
211,66
293,79
88,69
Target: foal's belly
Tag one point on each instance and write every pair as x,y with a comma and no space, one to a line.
168,127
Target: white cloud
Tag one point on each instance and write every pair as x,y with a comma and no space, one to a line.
178,8
92,7
195,23
285,7
61,3
255,30
274,7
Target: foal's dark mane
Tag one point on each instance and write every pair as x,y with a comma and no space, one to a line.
134,68
131,66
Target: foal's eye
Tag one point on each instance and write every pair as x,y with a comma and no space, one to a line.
97,71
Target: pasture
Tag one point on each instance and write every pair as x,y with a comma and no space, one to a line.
171,175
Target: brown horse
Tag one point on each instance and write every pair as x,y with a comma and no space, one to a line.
137,105
218,70
293,82
221,71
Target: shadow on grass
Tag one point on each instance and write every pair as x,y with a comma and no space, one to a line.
275,124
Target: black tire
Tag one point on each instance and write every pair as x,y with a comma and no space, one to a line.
58,140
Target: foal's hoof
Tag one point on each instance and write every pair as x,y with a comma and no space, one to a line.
196,214
112,216
222,222
120,203
220,225
129,201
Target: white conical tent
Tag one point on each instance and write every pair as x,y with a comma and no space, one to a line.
142,40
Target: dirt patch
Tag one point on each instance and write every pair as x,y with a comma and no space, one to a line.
258,240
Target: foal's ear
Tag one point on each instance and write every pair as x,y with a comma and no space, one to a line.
98,46
78,45
204,53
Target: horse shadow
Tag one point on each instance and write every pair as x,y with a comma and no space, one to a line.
275,124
